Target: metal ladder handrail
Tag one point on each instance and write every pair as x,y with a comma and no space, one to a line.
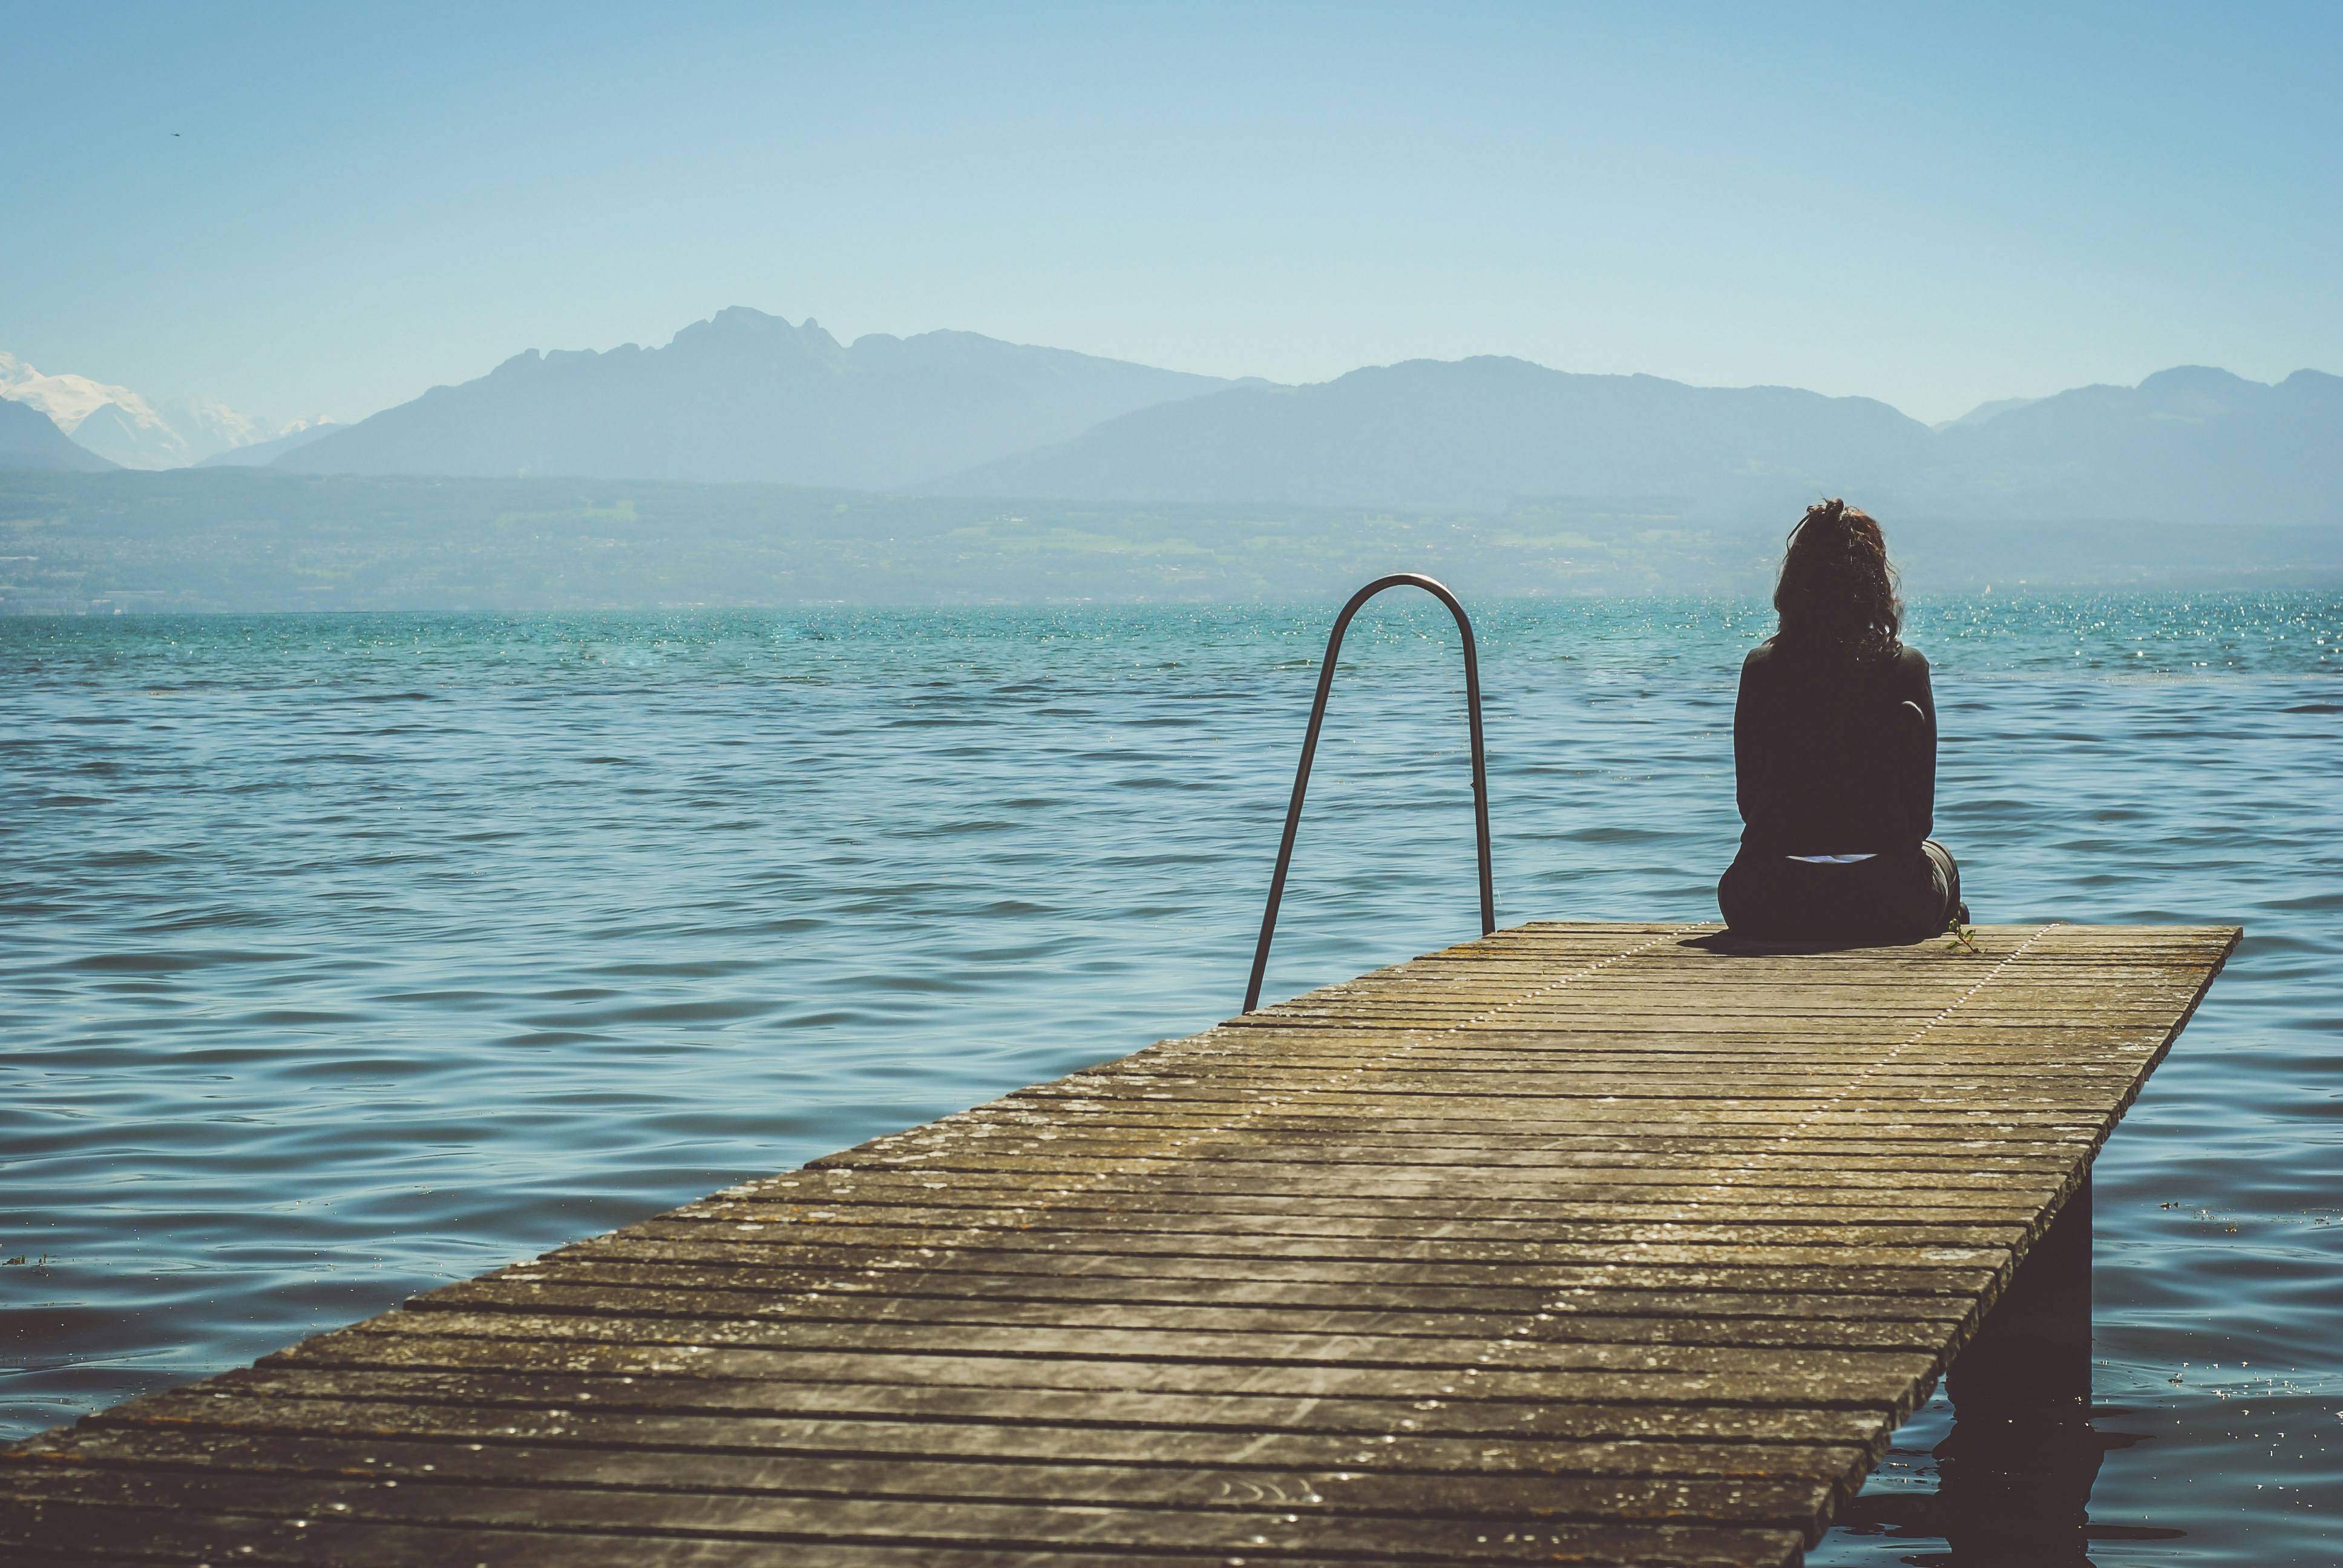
1310,748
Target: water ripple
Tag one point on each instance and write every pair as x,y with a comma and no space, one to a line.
342,956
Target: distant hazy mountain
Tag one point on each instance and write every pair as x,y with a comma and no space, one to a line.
261,453
1475,433
31,440
2185,445
747,396
1984,411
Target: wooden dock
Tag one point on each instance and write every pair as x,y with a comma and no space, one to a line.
1584,1243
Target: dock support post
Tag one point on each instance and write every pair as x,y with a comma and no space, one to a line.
2033,1350
2014,1475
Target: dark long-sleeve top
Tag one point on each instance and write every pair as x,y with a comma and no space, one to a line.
1826,758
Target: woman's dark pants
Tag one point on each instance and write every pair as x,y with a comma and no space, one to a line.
1891,898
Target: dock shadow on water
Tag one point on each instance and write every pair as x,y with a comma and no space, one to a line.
317,998
1990,1491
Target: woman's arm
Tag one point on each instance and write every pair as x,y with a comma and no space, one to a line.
1918,787
1749,729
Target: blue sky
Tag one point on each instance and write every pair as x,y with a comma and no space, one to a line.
1934,205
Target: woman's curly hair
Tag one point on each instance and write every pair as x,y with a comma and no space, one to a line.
1836,595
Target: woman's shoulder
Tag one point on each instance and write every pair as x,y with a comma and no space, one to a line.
1773,657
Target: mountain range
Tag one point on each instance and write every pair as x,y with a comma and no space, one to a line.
746,395
2185,444
1475,433
122,428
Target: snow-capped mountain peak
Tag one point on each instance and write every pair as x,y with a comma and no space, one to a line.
116,422
132,433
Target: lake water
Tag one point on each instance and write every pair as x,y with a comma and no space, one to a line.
343,956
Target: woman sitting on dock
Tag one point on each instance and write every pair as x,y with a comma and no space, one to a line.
1834,756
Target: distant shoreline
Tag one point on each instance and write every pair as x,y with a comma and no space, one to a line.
247,541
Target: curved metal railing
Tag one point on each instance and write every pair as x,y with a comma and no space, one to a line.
1310,749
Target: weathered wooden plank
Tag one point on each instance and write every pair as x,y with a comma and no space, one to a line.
1232,1378
1006,1204
1523,1346
187,1427
601,1299
1170,1256
1597,1243
1042,1223
1276,1523
1640,1302
1379,1273
533,1403
107,1532
1481,1481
